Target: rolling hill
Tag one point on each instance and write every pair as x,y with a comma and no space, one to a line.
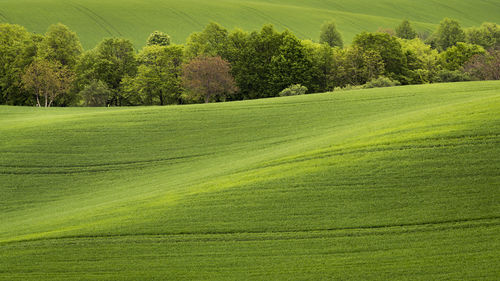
393,183
94,20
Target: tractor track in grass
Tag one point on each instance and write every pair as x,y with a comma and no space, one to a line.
102,22
299,234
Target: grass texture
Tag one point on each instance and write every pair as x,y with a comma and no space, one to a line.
380,184
94,20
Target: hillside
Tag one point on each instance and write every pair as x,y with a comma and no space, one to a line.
94,20
399,183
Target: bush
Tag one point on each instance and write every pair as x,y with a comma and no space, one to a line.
381,82
293,90
452,76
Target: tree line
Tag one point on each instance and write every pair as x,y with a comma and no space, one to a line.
218,65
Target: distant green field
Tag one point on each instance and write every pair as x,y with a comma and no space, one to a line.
394,183
97,19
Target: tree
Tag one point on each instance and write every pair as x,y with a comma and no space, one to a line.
423,61
212,41
484,66
62,45
96,94
448,34
323,66
158,38
110,62
47,80
329,35
208,78
456,56
487,35
18,49
389,49
158,79
405,30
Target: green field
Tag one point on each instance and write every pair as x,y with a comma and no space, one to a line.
94,20
394,183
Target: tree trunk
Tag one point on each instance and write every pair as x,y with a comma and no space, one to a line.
46,100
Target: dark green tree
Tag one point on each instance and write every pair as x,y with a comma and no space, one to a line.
329,35
389,49
405,30
448,34
111,61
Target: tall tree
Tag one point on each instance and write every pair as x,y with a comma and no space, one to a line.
47,80
448,34
110,62
158,79
389,49
405,30
208,78
18,49
61,44
329,35
212,41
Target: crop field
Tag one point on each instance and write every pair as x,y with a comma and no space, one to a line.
388,183
94,20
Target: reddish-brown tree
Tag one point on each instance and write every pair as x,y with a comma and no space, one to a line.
208,78
47,80
484,66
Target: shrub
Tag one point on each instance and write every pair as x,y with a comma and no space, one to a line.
293,90
452,76
381,82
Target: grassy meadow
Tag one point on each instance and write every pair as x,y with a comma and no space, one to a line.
94,20
378,184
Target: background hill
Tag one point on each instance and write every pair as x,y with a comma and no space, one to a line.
399,183
94,20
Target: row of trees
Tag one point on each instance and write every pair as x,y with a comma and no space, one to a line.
218,65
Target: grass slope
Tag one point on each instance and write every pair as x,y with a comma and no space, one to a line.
96,19
399,183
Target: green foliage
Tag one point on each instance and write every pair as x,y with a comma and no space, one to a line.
110,62
381,82
389,49
293,90
17,50
158,38
456,56
446,75
374,184
96,94
324,66
62,45
329,35
405,30
158,79
211,42
448,34
423,61
487,35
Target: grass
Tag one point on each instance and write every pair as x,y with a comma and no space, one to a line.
94,20
392,183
